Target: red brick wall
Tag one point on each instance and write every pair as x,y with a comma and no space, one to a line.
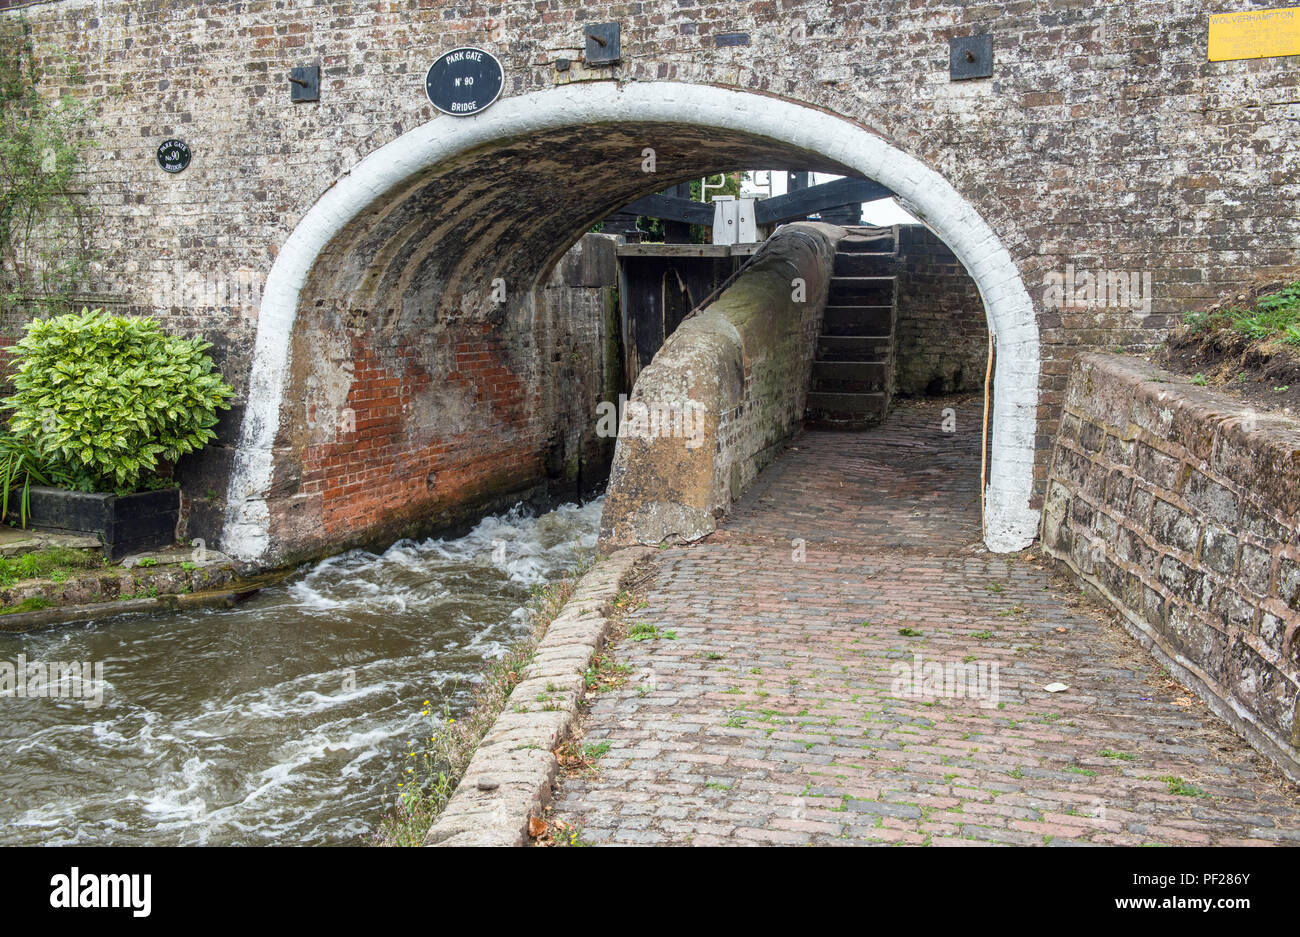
401,428
379,471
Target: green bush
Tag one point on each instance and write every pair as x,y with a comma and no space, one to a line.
107,400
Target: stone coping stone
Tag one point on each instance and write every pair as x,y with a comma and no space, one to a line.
509,779
16,542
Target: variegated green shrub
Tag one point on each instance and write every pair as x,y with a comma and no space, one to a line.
113,398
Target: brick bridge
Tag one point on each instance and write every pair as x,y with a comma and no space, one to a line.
345,255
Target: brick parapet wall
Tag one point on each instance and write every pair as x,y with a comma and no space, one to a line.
1182,508
1072,88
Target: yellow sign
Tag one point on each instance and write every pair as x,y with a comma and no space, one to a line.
1257,34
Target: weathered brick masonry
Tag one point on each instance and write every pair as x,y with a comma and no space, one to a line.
1104,140
941,337
940,333
1182,508
405,427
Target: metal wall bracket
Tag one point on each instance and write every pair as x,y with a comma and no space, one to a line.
970,57
304,84
731,39
603,47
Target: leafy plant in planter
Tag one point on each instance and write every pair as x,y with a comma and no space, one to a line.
106,401
20,468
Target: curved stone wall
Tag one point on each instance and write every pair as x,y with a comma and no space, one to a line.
722,395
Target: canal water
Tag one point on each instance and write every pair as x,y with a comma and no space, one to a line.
284,720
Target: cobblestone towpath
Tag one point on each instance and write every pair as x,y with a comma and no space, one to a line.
793,698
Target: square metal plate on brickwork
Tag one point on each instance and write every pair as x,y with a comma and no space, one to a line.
602,43
970,57
304,84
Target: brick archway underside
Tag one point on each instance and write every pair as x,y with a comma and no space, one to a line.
412,241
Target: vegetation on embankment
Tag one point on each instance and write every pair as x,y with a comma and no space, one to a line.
432,769
66,584
53,563
1275,315
1247,345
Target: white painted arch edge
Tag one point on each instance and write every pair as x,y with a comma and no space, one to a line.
1010,523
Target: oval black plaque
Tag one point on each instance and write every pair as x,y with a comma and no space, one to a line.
464,81
173,155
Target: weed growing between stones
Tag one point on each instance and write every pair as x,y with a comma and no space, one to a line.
30,604
644,631
580,759
434,769
1181,787
606,673
559,833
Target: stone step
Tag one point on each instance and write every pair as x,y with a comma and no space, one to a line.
853,347
861,291
845,410
858,320
850,376
861,265
880,241
15,542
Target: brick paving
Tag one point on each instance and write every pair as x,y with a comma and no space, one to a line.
774,714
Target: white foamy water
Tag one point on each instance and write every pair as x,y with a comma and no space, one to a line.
284,720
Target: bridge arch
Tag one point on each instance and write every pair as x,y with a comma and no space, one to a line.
382,194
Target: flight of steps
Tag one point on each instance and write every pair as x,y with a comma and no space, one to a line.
852,371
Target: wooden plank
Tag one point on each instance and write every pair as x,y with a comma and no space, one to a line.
671,208
655,249
797,204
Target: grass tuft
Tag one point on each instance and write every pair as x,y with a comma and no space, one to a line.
1182,788
1273,316
40,564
